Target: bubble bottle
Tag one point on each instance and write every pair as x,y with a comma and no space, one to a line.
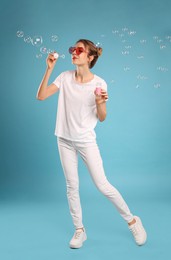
98,88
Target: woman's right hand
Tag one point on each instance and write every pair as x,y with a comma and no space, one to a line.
51,61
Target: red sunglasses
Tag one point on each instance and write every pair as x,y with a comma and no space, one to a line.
78,50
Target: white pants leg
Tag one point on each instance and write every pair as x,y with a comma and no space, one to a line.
69,160
91,156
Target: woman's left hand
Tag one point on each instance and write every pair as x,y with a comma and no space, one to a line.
103,97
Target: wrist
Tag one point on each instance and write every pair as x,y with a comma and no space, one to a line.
99,102
49,70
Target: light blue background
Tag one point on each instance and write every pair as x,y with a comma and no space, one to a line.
135,139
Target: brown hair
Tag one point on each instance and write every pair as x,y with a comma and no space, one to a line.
93,50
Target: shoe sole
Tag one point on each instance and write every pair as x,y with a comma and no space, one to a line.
80,245
145,234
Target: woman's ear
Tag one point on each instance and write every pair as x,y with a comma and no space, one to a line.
91,58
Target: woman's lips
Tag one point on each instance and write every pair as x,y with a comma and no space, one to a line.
74,58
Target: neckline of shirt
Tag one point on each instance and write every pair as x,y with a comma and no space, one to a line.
83,83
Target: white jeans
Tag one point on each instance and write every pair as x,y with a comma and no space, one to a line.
89,152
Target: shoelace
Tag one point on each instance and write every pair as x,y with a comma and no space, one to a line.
136,229
77,234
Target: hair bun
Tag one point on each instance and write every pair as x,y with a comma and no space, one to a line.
99,51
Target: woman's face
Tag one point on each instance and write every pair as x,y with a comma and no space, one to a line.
82,59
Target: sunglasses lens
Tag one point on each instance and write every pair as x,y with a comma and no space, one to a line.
71,50
79,50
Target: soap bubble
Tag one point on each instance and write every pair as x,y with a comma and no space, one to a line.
54,38
115,31
128,47
131,33
140,57
124,29
126,68
49,50
159,40
137,86
98,44
155,38
62,56
43,50
162,69
162,47
143,41
27,39
125,52
156,85
20,34
39,56
141,77
37,41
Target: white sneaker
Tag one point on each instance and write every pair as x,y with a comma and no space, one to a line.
138,231
78,238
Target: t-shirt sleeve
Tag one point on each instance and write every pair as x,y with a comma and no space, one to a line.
58,80
104,85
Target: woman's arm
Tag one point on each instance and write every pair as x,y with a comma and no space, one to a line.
101,105
44,91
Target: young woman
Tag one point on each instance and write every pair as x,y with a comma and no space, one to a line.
80,106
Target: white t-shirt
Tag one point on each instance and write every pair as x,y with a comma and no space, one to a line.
76,111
